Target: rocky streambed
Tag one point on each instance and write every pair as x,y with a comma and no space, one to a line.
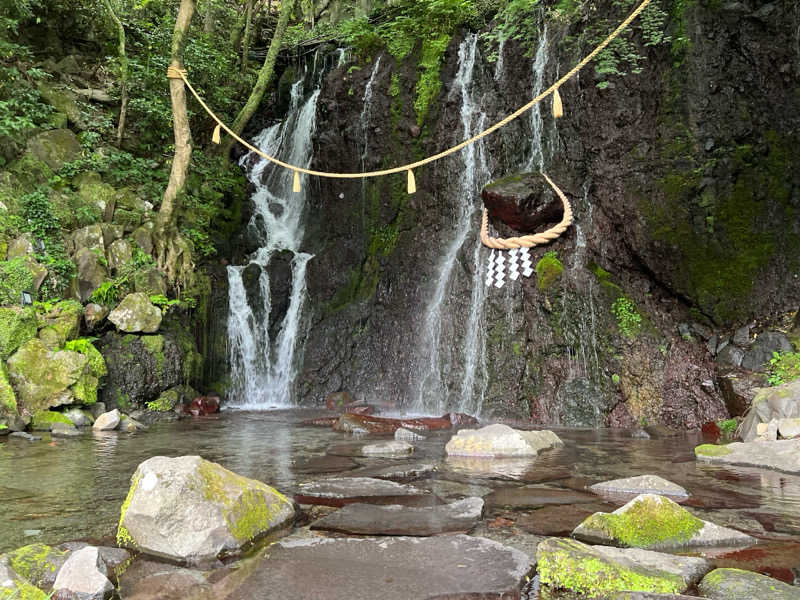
372,519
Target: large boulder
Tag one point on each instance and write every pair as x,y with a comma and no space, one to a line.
55,147
501,440
90,237
641,484
42,378
778,402
657,523
761,351
598,571
190,509
736,584
523,201
739,388
136,314
65,318
17,326
119,254
780,455
63,101
21,274
91,272
84,576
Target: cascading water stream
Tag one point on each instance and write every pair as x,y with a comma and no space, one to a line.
434,393
537,158
263,361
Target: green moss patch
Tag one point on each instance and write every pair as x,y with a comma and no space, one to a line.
548,271
36,562
17,326
711,450
124,538
43,419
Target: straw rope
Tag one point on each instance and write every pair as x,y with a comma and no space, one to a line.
174,73
528,241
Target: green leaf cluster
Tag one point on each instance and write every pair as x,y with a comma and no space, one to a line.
783,367
629,320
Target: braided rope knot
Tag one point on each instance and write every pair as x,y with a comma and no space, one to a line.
535,239
176,73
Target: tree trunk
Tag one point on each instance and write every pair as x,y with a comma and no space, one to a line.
248,27
264,78
123,72
168,241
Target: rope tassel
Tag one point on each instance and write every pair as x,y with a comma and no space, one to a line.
412,184
216,136
558,107
296,185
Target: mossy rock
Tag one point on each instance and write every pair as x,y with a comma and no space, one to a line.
16,276
55,148
128,219
548,271
136,314
38,563
14,587
44,419
8,400
62,100
17,326
737,584
52,338
65,318
98,196
85,389
173,397
711,450
30,173
97,364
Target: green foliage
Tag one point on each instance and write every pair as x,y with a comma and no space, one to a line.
162,301
728,427
517,20
629,320
429,83
112,289
783,367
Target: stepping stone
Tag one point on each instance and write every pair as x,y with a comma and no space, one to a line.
558,520
401,568
146,579
655,522
600,570
776,559
643,484
325,464
505,469
388,449
340,491
396,472
532,497
735,584
366,519
781,455
454,489
500,440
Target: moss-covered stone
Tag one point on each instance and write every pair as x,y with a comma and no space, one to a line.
98,196
30,172
711,450
62,100
85,389
737,584
51,337
172,397
17,326
16,276
44,419
8,400
55,147
649,521
124,539
97,364
38,563
136,314
548,271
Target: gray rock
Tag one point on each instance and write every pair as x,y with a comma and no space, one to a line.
25,436
781,455
22,246
64,430
107,421
454,489
91,237
739,388
94,315
735,584
338,491
641,484
600,570
398,568
119,254
189,509
55,147
130,425
91,272
779,402
730,355
767,432
389,449
533,496
368,519
97,409
84,575
396,472
660,517
405,435
79,417
741,336
761,351
136,314
148,580
501,441
701,330
648,596
789,428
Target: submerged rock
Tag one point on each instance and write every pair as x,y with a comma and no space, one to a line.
780,455
352,423
600,570
84,576
367,519
338,491
531,496
400,568
501,441
389,449
325,464
736,584
642,484
396,472
655,522
189,509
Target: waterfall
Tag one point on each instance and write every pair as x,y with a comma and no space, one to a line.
366,112
536,159
263,361
434,394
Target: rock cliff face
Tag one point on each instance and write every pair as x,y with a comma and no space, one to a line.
685,181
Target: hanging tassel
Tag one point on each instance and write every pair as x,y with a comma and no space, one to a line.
558,107
412,184
296,186
216,137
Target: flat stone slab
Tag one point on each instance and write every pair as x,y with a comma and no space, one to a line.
339,491
396,472
454,489
531,497
500,440
643,484
389,449
601,570
735,584
781,455
508,469
367,519
657,523
325,464
558,520
402,568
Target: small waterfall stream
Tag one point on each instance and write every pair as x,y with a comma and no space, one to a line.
537,157
263,360
434,393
